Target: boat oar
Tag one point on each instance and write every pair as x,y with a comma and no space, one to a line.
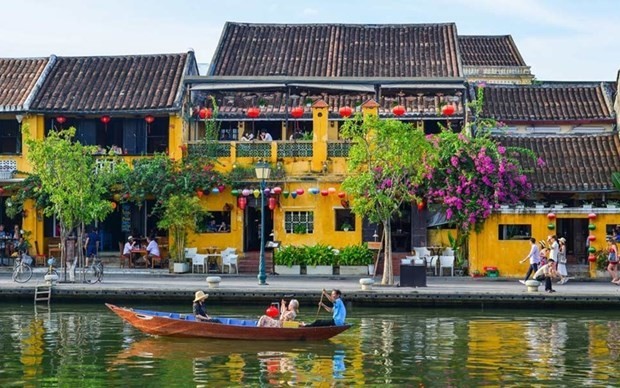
319,309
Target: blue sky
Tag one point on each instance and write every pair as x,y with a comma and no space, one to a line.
559,39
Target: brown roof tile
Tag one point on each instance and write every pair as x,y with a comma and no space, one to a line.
337,50
114,84
578,163
489,51
558,102
18,78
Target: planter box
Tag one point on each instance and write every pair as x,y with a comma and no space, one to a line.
353,270
319,270
292,270
180,268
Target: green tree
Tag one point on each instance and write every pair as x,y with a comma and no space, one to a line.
179,217
387,161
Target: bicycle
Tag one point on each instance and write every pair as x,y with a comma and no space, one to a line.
22,272
94,272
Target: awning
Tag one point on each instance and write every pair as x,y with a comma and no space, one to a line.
235,86
423,86
348,87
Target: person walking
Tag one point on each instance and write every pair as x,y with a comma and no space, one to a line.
612,259
562,271
534,257
546,273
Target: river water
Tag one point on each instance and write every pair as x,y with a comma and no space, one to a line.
79,345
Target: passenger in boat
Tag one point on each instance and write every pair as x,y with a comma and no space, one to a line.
199,308
339,312
286,314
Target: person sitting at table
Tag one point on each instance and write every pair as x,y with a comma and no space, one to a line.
286,314
223,227
17,233
129,245
152,249
212,227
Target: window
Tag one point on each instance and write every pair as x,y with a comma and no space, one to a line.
10,137
515,232
345,220
215,222
299,222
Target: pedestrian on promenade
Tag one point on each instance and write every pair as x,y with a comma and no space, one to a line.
544,252
546,273
554,249
200,312
612,259
534,257
339,312
562,271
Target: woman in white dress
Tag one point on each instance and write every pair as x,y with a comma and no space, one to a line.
562,261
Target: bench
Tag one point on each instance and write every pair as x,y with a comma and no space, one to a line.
214,281
366,284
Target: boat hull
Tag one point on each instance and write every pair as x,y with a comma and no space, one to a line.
179,325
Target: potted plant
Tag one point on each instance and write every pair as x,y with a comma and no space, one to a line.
346,226
300,229
319,260
355,260
612,204
288,260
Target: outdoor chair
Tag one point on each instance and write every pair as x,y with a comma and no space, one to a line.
190,253
198,262
230,259
431,264
122,259
40,258
446,262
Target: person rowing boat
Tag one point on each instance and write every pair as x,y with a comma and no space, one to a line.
339,312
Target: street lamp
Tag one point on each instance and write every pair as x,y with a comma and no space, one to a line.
262,173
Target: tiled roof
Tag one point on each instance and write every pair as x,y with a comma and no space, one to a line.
132,83
549,102
487,50
577,163
337,50
18,78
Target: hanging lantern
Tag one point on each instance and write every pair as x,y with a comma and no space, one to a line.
314,190
113,205
241,202
342,194
277,190
591,249
300,191
324,193
272,311
297,112
421,205
234,192
1,190
448,110
345,111
551,216
253,112
205,113
246,192
591,258
331,190
199,193
592,216
285,194
551,226
294,194
215,190
344,203
256,193
591,237
272,203
398,110
267,191
117,197
61,120
105,119
149,119
221,188
591,226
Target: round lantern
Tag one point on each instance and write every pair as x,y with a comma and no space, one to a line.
221,188
215,190
205,113
398,110
117,197
448,110
324,193
267,191
331,190
551,216
592,216
285,194
300,191
272,311
256,193
551,226
342,194
314,190
113,205
253,112
591,249
149,119
277,190
234,192
591,226
294,194
297,112
591,258
199,193
61,120
246,192
105,119
241,202
345,111
421,205
591,237
272,203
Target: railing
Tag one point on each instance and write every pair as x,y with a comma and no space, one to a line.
221,149
295,149
338,149
260,149
7,168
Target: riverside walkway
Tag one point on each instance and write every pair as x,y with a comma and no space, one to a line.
139,286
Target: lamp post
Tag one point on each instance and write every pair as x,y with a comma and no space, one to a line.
262,173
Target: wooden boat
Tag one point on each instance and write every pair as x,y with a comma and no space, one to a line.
185,325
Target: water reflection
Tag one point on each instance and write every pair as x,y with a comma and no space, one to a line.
85,345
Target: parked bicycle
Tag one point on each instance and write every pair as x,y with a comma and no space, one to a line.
22,272
93,273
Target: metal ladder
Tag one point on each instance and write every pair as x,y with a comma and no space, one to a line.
42,293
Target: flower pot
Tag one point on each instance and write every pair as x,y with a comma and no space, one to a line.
319,270
181,267
354,270
285,270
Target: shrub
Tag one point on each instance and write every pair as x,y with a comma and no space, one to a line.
355,255
289,256
319,255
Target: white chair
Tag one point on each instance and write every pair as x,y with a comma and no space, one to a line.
190,253
422,252
431,264
448,252
229,260
446,262
198,261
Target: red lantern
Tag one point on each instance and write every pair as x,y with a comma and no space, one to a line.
61,120
344,203
448,110
342,194
1,190
272,311
345,111
105,119
199,193
241,202
253,112
421,205
591,258
297,112
149,119
272,203
591,237
277,190
299,191
205,113
221,188
592,216
324,193
398,110
113,204
551,216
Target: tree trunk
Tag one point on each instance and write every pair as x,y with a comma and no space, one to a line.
63,248
388,270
